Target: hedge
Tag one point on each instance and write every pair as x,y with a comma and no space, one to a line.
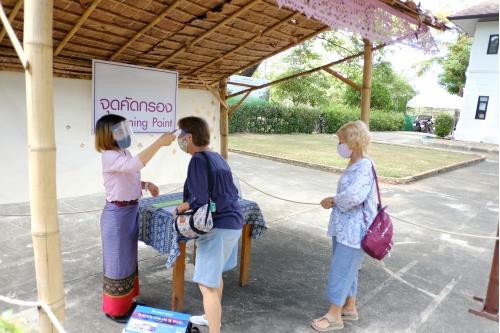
285,120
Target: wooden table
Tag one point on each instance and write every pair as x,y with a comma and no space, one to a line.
156,229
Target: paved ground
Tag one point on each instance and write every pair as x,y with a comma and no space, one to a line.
418,139
425,286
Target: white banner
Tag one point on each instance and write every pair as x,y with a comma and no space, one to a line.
147,97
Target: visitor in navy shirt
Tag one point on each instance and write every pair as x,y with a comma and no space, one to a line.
216,251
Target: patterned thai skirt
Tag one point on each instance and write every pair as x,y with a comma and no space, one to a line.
120,234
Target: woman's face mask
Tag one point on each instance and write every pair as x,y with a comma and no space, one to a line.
183,145
344,150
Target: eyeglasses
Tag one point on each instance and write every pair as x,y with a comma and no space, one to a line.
181,131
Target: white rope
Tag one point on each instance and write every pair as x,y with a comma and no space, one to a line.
395,217
47,309
82,212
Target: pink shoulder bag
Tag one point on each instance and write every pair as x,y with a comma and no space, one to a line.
378,239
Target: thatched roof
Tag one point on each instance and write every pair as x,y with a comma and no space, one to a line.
483,10
211,38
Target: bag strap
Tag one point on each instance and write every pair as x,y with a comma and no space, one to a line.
376,182
378,194
209,176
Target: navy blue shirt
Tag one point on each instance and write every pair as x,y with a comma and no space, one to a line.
228,214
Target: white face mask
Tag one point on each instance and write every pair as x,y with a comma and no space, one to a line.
183,145
344,150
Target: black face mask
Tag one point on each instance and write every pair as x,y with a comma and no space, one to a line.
124,143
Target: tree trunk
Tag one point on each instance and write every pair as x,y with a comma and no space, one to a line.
249,71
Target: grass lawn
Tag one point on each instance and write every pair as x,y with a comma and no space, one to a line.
391,161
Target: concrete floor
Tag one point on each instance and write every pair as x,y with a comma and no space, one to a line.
425,286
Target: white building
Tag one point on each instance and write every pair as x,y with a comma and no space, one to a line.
479,117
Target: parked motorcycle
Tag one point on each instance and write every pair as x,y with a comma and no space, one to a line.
429,126
422,124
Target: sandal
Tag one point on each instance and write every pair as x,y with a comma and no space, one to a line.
346,315
333,324
121,319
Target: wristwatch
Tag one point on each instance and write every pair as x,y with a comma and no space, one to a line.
332,201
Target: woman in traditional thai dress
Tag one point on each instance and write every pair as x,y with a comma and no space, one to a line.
120,216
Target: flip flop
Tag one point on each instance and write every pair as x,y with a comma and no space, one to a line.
346,315
121,319
333,324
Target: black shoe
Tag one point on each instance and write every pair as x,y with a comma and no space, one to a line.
121,319
132,308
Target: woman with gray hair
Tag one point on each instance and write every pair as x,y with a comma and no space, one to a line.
216,251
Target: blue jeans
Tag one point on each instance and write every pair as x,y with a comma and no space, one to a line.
343,278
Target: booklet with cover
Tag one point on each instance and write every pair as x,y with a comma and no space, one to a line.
147,319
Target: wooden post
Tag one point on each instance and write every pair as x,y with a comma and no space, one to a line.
224,123
246,247
178,280
38,16
366,89
490,303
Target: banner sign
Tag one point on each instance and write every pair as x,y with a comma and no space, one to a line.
146,96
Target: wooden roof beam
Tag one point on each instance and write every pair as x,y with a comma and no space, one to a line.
341,78
12,15
211,31
13,38
77,26
280,51
215,93
146,28
357,55
274,27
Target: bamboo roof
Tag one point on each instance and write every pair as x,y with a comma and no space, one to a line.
203,40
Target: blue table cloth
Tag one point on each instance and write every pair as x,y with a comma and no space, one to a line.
156,226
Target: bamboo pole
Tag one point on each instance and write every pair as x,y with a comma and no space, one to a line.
146,28
239,103
357,55
366,90
13,38
77,26
341,78
38,18
224,124
236,49
211,31
221,98
12,15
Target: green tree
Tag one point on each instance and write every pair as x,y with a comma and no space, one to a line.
307,90
454,65
390,90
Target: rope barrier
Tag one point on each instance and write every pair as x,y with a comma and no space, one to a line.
47,309
299,202
82,212
443,231
306,203
392,216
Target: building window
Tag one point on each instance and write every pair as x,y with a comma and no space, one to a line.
482,106
493,44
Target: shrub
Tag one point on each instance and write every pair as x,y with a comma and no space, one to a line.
386,121
337,116
444,125
273,119
279,119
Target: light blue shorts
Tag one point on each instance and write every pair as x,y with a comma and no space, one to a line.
343,278
216,252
